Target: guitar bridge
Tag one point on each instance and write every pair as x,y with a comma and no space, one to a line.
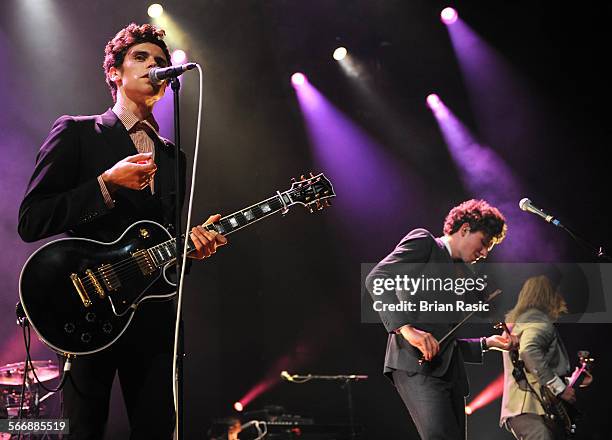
144,261
80,288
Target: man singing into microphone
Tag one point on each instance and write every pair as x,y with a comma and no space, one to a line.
433,390
95,176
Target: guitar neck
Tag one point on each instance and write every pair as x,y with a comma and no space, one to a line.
577,375
165,252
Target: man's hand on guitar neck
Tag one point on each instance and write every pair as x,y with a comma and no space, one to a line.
205,241
568,394
503,342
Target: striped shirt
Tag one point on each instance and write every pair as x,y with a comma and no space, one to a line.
141,133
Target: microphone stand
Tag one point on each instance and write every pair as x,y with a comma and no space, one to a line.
598,251
175,84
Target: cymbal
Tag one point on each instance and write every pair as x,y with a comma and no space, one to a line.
12,374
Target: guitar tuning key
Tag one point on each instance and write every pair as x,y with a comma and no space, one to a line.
327,203
311,175
302,177
293,180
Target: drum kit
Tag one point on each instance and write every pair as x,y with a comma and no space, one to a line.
14,396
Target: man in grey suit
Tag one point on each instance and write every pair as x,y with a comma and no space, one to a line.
434,390
544,356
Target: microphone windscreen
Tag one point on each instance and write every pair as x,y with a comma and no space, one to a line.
524,203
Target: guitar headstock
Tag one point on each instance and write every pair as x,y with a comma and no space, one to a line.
314,192
584,358
502,326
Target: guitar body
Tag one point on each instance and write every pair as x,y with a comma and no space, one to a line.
561,416
80,295
76,312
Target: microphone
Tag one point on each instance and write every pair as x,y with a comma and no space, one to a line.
526,205
158,75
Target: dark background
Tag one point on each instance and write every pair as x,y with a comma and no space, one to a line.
284,294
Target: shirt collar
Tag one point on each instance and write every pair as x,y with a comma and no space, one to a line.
129,119
446,240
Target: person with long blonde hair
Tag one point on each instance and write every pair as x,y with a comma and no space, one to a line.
546,361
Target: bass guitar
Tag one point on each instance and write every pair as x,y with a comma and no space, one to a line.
80,295
562,416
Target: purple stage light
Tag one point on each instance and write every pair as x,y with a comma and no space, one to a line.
178,56
486,175
433,101
449,16
360,168
437,106
298,79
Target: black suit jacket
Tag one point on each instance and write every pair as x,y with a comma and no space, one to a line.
425,254
63,195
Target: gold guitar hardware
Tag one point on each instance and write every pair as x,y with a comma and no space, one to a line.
78,285
96,283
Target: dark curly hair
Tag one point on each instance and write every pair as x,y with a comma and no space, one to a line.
480,216
115,50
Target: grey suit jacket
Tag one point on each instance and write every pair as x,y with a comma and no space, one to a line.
545,360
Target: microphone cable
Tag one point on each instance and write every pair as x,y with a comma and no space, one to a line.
179,302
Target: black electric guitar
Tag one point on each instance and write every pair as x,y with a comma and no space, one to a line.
562,416
80,294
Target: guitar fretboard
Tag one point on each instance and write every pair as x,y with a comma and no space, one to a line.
165,252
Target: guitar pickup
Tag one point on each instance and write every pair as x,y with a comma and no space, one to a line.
80,288
144,261
109,277
94,281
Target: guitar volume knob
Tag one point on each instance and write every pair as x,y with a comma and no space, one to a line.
69,327
90,317
107,327
86,337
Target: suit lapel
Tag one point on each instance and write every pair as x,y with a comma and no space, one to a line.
116,135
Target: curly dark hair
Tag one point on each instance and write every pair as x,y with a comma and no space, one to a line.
480,216
115,50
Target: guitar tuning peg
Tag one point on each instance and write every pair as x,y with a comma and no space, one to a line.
311,175
327,203
293,180
326,192
302,177
310,208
